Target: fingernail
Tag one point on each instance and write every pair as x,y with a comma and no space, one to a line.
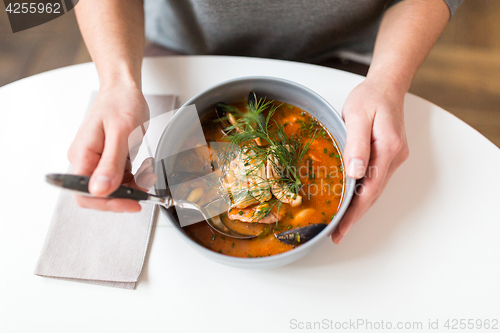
341,238
356,168
100,184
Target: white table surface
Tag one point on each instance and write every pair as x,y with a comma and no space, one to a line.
428,250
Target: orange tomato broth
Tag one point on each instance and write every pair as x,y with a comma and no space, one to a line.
322,190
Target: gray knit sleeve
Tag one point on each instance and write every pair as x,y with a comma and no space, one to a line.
453,5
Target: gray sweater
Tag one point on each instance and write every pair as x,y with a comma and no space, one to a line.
302,30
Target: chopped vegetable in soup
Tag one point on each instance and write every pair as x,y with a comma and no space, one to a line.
279,166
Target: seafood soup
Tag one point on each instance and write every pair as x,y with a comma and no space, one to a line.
278,165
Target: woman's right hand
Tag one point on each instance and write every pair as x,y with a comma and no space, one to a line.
101,148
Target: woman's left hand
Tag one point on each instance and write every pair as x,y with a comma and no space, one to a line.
376,145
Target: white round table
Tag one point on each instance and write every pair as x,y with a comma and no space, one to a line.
426,252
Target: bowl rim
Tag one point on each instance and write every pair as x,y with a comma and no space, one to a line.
347,197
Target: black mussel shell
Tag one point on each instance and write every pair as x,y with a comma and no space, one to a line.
252,98
221,113
300,235
220,110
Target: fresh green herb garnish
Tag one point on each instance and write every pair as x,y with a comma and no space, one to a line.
255,132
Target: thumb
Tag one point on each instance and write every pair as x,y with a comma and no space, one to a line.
108,175
358,144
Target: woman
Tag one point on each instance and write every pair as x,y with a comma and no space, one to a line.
401,34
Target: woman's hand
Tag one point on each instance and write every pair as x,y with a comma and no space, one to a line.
101,146
373,111
376,145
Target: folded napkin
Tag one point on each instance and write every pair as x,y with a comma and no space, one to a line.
103,248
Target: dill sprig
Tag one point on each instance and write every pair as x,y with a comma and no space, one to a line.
287,151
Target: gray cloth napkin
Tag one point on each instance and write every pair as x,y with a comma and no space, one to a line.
97,247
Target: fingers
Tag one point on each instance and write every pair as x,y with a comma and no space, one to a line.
100,148
109,172
85,151
357,151
147,180
376,146
147,164
128,176
85,156
385,161
114,205
145,176
366,194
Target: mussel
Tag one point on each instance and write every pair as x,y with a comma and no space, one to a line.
300,235
220,111
227,119
252,98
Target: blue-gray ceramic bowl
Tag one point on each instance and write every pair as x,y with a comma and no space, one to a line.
236,91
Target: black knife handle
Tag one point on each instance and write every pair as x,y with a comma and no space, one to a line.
81,184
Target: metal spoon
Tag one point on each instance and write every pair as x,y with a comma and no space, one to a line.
80,184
